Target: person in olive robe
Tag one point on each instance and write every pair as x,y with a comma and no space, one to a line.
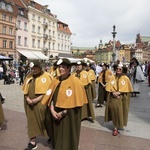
93,79
103,79
66,96
118,89
35,86
3,125
87,109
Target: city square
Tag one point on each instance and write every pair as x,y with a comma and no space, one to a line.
94,136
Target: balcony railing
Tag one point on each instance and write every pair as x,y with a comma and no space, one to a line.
45,36
45,49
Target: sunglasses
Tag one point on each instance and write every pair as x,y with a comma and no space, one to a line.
119,69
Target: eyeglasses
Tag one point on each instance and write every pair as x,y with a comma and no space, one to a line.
119,69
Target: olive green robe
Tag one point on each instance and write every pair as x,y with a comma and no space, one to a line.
35,114
2,118
117,110
65,132
87,109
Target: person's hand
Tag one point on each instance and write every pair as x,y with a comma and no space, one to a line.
116,94
29,101
55,114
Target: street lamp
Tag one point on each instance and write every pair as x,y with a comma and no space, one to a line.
114,50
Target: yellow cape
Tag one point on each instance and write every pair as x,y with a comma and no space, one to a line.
41,83
92,74
84,77
108,74
124,84
71,93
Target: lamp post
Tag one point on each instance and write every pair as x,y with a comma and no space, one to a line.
114,50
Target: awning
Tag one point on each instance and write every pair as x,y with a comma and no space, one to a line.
5,58
33,54
28,54
40,55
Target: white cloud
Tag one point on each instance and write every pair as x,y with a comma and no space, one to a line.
93,20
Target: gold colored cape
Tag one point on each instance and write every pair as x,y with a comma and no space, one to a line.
71,93
84,77
124,84
92,74
41,83
108,74
54,73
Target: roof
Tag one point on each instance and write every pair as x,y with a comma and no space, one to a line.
63,27
82,48
145,38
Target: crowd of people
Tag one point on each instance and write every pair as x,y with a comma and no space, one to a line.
58,99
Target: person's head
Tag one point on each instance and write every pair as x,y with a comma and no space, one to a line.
36,67
121,69
88,65
79,65
64,66
134,61
104,66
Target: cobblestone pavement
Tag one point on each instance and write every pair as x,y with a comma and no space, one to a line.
94,136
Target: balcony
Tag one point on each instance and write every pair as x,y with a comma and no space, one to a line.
45,49
45,24
45,36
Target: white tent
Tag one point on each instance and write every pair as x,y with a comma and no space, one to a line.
74,60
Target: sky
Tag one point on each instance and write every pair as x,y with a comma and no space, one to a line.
92,20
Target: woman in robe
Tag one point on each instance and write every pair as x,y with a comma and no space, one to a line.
35,87
136,76
87,110
65,97
103,79
118,99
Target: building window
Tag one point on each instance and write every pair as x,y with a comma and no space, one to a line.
33,28
25,41
33,42
3,5
19,40
53,33
58,36
38,43
9,8
21,12
49,45
53,24
11,44
53,46
3,16
4,30
25,26
39,18
10,19
10,31
49,33
18,24
4,43
39,30
58,46
44,20
33,16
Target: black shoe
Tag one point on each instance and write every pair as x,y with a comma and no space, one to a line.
31,146
3,126
3,100
49,140
98,105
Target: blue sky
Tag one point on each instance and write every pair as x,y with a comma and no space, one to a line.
92,20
